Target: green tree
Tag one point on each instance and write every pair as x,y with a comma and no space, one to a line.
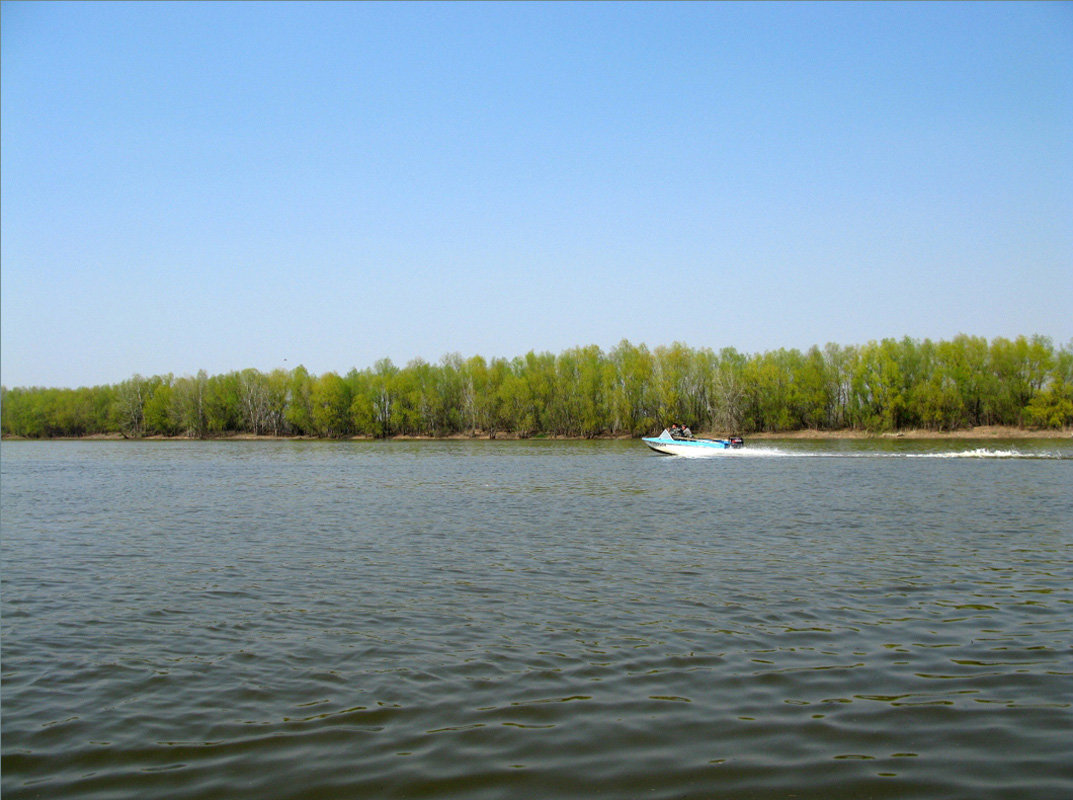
1051,408
330,401
770,381
886,385
277,389
963,363
362,412
1022,367
878,386
515,401
384,395
299,413
223,404
728,391
259,405
1052,405
476,402
633,409
130,398
158,415
539,373
188,412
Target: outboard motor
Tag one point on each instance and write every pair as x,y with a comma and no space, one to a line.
736,442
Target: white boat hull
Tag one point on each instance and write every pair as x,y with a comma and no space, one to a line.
668,445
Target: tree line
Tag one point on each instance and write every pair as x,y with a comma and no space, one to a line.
586,392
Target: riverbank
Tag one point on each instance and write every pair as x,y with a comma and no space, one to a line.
980,432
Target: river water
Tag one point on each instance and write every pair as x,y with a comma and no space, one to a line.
536,619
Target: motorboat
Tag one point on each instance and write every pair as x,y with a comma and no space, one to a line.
671,445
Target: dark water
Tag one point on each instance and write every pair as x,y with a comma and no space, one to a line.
536,619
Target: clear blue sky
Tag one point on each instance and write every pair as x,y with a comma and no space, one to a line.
223,186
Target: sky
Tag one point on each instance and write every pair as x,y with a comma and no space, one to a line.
219,186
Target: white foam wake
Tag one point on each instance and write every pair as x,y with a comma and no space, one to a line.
983,452
978,453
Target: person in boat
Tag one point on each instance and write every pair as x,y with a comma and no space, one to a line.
680,431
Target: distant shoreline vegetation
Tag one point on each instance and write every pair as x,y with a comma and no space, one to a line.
585,392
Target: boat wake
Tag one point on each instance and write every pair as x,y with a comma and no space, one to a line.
977,453
985,452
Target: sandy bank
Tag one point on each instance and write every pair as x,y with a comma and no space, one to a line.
981,432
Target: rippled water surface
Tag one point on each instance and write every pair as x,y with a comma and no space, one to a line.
536,619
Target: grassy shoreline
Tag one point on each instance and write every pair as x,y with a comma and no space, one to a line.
981,432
